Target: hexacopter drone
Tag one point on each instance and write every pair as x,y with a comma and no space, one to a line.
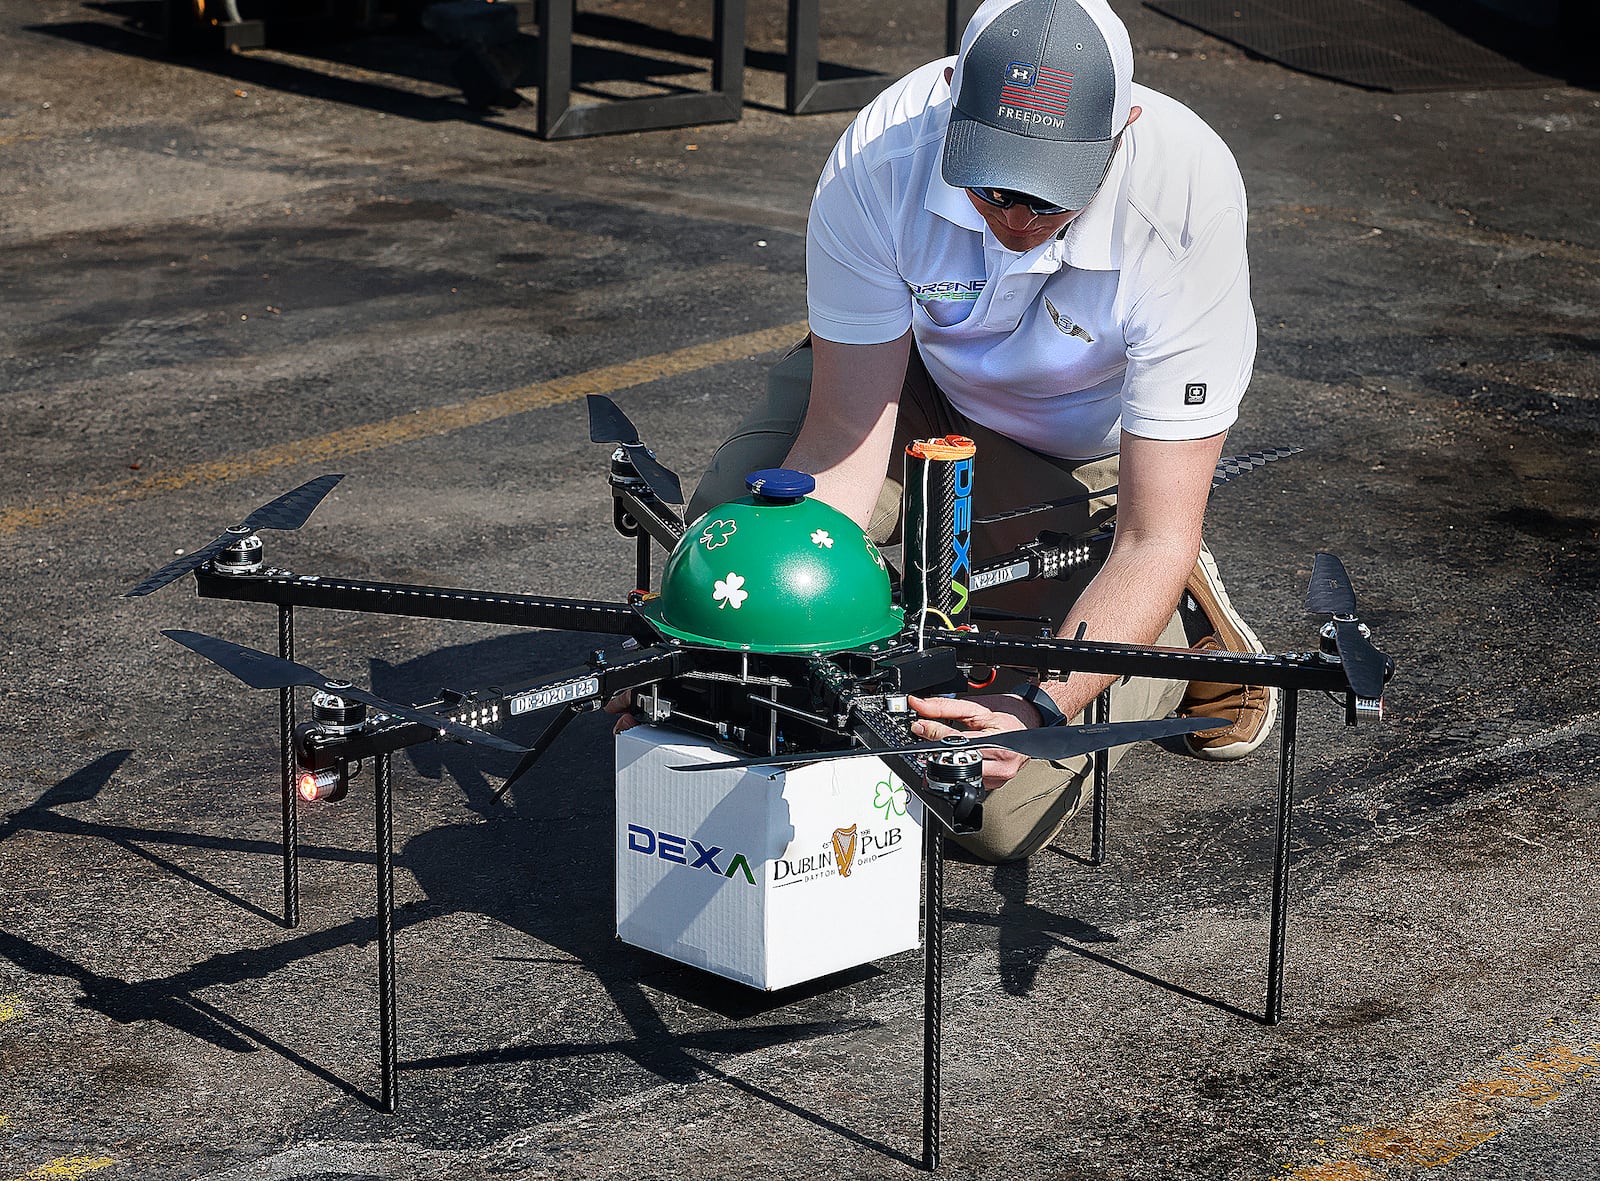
814,660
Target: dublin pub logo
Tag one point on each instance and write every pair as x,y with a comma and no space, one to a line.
842,854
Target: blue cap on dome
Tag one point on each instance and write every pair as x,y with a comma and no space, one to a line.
780,483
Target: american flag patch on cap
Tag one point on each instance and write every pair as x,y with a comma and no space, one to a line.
1036,88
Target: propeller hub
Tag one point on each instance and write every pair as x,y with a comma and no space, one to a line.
1328,637
954,762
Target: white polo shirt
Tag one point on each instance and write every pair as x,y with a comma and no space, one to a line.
1157,335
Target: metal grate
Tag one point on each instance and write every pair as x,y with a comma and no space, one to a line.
1393,45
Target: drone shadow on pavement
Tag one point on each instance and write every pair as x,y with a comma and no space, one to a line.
561,820
1027,934
171,1000
519,865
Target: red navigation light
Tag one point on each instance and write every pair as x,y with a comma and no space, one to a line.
330,783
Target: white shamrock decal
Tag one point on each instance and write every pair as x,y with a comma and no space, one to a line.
728,592
820,537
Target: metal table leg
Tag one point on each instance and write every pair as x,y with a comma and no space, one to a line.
559,119
803,93
956,15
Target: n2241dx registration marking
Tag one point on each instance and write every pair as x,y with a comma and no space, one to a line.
524,703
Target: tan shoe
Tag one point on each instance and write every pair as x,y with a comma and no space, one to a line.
1244,713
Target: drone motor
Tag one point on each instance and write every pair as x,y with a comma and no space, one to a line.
333,718
958,776
336,716
246,555
1364,708
1328,640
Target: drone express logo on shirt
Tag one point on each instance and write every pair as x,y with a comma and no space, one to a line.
844,852
948,302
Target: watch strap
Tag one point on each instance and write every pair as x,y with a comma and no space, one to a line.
1049,712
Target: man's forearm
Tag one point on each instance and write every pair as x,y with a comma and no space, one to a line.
849,425
1128,602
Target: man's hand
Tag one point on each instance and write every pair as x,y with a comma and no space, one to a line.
622,706
993,714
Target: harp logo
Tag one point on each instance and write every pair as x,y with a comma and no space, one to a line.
844,849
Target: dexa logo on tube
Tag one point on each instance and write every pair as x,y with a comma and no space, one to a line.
963,535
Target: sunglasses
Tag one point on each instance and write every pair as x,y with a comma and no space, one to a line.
1005,199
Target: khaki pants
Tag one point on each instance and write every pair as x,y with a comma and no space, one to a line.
1025,814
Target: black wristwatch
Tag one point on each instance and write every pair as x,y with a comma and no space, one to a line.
1049,712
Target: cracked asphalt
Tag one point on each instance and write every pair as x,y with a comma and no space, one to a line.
221,276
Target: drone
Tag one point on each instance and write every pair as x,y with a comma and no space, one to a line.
787,680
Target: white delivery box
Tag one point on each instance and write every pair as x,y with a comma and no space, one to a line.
766,876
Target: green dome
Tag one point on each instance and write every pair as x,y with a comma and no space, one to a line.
775,572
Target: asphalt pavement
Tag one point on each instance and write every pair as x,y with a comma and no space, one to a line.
222,276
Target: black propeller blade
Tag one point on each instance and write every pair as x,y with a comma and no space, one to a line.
1051,742
260,670
289,511
1330,593
608,424
1231,467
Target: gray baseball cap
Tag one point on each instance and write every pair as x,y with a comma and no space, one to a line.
1041,88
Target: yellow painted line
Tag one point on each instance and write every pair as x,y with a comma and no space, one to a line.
405,428
1450,1126
67,1168
8,1010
